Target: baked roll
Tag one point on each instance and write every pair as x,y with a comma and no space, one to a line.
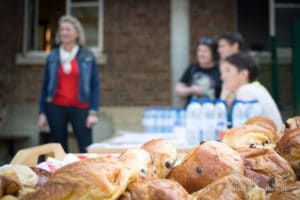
164,155
21,173
289,148
234,187
95,178
9,186
248,134
17,180
205,164
292,123
263,122
265,167
292,192
149,189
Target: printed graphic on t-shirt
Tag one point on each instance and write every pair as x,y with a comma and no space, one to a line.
205,82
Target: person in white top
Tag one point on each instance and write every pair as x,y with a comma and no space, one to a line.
239,74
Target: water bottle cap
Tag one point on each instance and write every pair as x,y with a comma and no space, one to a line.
220,101
207,100
194,100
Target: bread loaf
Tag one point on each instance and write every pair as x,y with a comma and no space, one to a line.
289,148
150,189
96,178
291,192
234,187
205,164
263,122
164,155
265,167
248,134
9,186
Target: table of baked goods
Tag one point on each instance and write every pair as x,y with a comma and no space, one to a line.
251,162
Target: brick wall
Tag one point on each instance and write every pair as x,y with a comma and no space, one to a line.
11,30
137,35
136,41
210,18
10,43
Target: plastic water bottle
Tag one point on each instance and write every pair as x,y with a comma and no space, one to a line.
239,115
159,120
181,116
253,109
146,121
172,119
208,122
193,114
164,120
220,118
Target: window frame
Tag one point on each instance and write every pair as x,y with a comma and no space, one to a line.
29,57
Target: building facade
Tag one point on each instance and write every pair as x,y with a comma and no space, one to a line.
137,40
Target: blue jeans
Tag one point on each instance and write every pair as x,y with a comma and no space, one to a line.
58,118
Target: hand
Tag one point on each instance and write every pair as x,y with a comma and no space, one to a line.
227,95
91,120
42,122
196,90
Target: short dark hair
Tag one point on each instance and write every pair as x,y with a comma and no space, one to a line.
233,37
243,61
211,44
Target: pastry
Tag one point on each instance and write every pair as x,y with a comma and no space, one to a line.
9,186
248,134
95,178
263,122
21,173
151,189
205,164
292,123
289,148
234,187
291,192
265,167
164,155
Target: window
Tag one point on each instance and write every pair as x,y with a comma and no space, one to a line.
40,27
286,11
90,14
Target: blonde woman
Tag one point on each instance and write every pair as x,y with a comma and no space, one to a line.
70,89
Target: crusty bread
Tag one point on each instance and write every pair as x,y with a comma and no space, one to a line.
21,173
291,192
97,178
265,167
150,189
248,134
263,122
9,186
234,187
164,155
289,148
292,123
205,164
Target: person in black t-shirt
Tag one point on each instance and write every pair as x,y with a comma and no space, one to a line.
202,78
